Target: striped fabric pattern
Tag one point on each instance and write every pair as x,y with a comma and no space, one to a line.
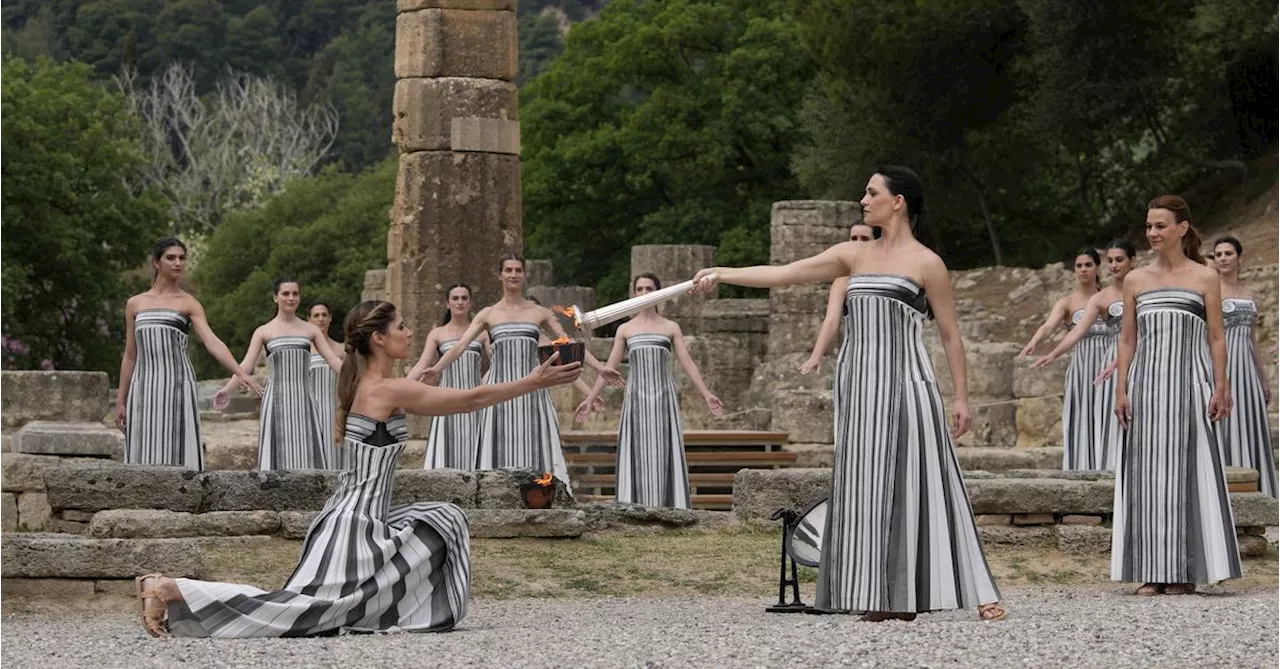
1246,433
1088,427
162,415
651,466
289,432
900,534
366,566
1173,521
452,441
323,383
523,432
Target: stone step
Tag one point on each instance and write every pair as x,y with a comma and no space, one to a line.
91,440
760,492
35,555
94,487
51,396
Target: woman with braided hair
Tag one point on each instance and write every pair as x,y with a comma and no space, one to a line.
366,565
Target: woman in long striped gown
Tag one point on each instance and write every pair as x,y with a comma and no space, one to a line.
900,536
156,404
289,432
524,432
1173,526
365,565
651,469
1094,341
323,380
452,440
1245,433
1083,416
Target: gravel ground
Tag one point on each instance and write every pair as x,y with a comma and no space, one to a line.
1046,628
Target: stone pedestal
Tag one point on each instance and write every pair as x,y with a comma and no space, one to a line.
673,263
457,205
799,229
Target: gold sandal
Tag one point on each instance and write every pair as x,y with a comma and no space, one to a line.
991,612
152,617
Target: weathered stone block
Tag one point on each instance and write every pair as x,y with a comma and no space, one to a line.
636,518
1035,536
1005,459
456,43
993,519
988,366
1083,539
813,455
8,512
512,523
62,556
25,472
1039,420
796,334
294,524
805,415
426,109
436,485
492,135
1251,546
45,589
375,285
93,440
1048,380
539,273
736,315
413,5
757,493
801,228
274,490
147,523
1256,531
66,526
1251,509
115,486
1040,496
993,423
1057,473
1076,519
1033,519
52,396
234,456
33,510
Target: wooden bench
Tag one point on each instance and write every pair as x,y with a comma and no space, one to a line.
713,457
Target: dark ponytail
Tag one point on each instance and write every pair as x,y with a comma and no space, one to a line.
904,181
367,318
162,245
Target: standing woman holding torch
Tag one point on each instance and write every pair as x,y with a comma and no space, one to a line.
896,479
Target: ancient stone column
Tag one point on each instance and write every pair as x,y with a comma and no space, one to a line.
673,263
799,229
457,205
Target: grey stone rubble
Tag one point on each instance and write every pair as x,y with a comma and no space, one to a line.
1047,627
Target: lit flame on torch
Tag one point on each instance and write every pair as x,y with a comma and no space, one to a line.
545,480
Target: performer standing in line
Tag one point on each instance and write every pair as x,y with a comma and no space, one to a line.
1083,421
1096,438
156,405
1173,526
651,468
524,432
859,232
896,478
322,379
1245,433
289,431
365,565
452,440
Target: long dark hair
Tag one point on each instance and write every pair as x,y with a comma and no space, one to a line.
157,252
904,181
362,322
1181,212
1097,262
1130,251
448,313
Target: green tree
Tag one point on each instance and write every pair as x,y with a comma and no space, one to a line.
540,43
325,231
72,225
670,121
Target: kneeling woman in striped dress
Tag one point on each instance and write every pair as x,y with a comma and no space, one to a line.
900,536
365,565
1173,526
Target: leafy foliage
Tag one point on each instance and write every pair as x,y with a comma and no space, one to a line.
72,224
325,231
670,121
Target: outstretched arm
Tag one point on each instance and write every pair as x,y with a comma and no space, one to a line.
321,342
691,368
615,359
830,324
1050,324
835,262
421,399
243,372
430,354
1091,311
